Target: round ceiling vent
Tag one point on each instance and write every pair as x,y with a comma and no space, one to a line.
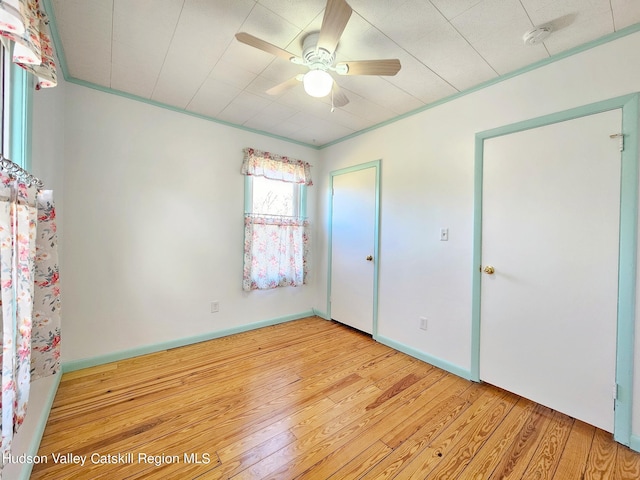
536,35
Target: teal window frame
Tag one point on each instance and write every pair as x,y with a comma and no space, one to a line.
18,116
21,86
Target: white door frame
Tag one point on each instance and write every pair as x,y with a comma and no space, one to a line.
376,242
627,254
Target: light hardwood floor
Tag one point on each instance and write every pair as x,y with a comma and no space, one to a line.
309,399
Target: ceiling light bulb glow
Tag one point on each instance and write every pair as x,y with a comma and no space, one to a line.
317,83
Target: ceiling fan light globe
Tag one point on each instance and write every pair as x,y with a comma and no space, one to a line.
317,83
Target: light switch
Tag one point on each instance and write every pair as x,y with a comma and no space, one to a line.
444,234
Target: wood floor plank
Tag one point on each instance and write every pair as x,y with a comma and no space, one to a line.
449,449
627,465
545,460
252,439
358,466
515,459
602,457
395,361
573,460
347,408
441,416
485,461
408,368
310,399
250,457
421,410
348,461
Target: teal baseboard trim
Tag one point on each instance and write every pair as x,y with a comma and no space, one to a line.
634,444
425,357
321,314
181,342
34,446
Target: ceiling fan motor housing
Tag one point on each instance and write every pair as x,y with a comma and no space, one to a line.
316,58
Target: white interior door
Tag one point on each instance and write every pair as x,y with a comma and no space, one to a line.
352,248
550,229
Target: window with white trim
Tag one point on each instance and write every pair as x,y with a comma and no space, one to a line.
274,197
276,230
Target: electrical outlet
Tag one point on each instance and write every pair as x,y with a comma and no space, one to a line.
215,307
423,323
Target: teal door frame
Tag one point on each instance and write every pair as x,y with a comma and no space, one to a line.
376,242
627,254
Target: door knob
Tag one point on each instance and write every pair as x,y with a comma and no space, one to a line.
489,270
369,258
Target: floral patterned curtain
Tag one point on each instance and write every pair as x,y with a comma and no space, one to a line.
45,337
29,297
17,255
275,246
275,252
25,23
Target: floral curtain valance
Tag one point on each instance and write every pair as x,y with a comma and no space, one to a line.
276,167
26,25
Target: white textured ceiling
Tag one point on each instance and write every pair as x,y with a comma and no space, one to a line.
183,53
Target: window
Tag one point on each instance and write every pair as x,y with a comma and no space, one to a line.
276,237
17,96
274,197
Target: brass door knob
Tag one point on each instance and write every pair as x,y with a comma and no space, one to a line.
369,258
489,270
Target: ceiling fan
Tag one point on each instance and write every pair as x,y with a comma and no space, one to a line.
318,55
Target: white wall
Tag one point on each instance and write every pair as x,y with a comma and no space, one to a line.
427,184
154,227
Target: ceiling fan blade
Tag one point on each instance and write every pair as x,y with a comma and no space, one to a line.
260,44
336,16
339,97
284,86
387,67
